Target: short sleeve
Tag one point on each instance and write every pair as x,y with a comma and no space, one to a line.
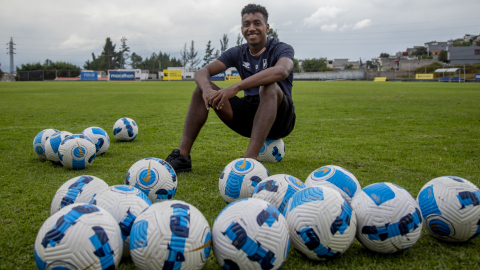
229,57
284,50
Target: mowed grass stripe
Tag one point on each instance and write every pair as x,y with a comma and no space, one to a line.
404,133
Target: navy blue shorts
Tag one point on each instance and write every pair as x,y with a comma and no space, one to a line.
245,108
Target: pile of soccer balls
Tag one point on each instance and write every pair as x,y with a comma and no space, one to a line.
93,225
77,151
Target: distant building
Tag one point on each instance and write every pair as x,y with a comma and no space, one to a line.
464,55
339,64
434,48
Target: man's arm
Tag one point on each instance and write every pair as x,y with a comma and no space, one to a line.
202,78
274,74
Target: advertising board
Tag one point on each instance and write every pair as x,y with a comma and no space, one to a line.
122,76
235,73
477,76
219,76
172,75
424,76
89,76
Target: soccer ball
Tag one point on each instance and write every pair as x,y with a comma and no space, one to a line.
250,234
52,144
239,179
155,177
77,152
125,130
124,203
99,138
321,222
170,235
450,207
337,178
80,236
389,218
39,142
80,189
272,151
277,190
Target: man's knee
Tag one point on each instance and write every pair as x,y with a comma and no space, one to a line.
271,92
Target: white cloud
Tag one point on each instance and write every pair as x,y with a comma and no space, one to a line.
363,24
236,29
344,27
323,14
74,42
287,23
329,27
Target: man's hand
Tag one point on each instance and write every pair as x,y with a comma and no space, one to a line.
218,99
207,94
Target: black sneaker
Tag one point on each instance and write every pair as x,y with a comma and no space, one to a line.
178,162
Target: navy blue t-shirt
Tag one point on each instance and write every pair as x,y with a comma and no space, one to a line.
248,65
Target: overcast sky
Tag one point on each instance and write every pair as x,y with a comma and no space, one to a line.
71,30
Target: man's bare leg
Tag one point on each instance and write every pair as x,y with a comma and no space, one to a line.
196,117
271,96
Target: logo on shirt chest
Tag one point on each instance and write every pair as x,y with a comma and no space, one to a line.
264,63
246,64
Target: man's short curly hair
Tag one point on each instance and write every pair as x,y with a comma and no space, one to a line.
252,8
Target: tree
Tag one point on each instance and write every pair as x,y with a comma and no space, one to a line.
461,44
349,66
184,55
371,65
315,65
420,51
296,66
384,55
272,34
123,52
217,54
443,56
239,39
224,43
208,54
192,56
111,56
136,61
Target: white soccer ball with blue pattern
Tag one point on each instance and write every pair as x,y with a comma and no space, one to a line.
39,141
77,152
250,234
450,206
272,151
125,130
53,143
277,190
99,137
170,235
388,218
337,178
80,189
239,179
322,223
124,203
80,236
155,177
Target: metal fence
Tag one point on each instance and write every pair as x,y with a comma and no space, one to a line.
45,75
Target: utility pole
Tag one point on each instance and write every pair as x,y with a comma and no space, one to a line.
11,52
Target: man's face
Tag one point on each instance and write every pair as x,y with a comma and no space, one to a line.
254,28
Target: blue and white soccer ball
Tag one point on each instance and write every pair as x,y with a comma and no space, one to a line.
272,151
170,235
80,236
99,137
388,218
125,130
450,206
250,234
155,177
53,143
322,223
337,178
239,179
39,141
125,204
77,152
277,190
80,189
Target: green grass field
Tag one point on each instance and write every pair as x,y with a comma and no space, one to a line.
404,133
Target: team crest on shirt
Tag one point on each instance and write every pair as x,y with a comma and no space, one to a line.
264,63
246,64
